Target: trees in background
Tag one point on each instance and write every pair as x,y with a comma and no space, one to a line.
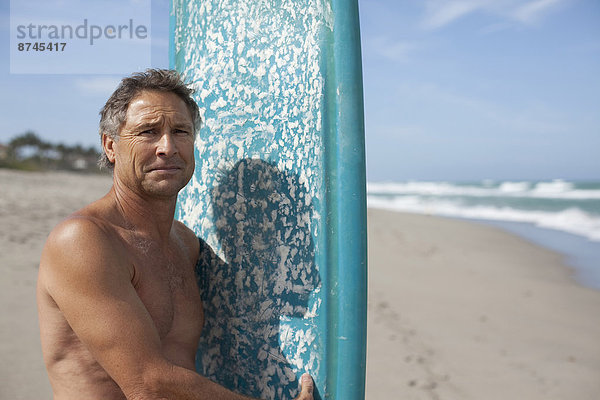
28,152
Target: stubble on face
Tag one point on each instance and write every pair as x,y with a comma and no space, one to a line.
155,151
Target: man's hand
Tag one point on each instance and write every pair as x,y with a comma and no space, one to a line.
307,385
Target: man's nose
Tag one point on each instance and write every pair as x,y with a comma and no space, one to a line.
166,146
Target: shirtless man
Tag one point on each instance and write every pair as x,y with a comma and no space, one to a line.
119,307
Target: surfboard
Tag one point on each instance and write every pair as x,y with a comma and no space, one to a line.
278,195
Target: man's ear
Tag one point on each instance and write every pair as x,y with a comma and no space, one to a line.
108,144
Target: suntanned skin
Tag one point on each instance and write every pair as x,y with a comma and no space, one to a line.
120,313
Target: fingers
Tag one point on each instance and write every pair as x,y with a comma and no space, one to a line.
307,388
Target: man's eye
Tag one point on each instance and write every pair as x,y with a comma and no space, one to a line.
182,132
147,132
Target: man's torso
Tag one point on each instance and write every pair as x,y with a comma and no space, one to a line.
165,282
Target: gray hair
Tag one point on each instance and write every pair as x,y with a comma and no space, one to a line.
114,112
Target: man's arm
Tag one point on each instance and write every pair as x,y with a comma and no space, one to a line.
86,276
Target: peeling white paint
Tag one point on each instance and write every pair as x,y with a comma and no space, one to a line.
255,196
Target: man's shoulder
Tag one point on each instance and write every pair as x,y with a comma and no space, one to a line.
78,229
91,223
80,244
184,230
188,237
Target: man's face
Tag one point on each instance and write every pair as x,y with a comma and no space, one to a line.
154,153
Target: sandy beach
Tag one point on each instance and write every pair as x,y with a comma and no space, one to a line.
457,310
30,205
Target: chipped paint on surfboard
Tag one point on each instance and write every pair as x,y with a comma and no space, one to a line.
279,191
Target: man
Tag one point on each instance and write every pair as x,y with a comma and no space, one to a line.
119,307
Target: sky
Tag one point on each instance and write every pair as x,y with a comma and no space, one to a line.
454,90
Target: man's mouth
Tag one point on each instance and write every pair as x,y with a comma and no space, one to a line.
166,168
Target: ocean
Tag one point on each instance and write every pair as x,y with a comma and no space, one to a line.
561,215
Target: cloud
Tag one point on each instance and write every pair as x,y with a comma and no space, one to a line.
395,50
532,11
98,86
440,13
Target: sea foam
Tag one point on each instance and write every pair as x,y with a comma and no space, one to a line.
558,204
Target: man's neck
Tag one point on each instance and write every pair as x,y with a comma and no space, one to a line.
152,216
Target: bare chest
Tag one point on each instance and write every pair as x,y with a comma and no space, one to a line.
167,287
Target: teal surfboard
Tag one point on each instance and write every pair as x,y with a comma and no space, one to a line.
278,192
